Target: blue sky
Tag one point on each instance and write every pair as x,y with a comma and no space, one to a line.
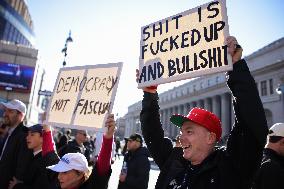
108,31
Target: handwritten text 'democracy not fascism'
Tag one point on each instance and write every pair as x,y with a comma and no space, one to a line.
88,84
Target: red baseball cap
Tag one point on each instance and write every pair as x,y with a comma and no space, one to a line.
202,117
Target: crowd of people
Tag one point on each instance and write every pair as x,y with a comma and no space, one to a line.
33,157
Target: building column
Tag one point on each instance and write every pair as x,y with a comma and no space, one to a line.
133,128
216,108
162,115
193,104
225,114
207,104
138,125
175,129
185,108
166,127
180,109
171,128
198,104
202,103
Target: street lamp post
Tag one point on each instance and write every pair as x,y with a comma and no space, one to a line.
64,50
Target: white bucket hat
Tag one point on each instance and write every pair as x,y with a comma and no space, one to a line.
277,130
70,161
15,105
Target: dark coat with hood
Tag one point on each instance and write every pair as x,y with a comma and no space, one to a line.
138,168
231,167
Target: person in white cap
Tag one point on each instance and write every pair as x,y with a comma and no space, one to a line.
271,173
72,168
14,153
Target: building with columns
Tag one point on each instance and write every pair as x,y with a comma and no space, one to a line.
211,92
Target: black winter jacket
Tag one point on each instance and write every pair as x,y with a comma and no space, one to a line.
138,168
71,147
232,167
271,173
16,157
36,175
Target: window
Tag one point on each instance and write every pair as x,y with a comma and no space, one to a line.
263,86
217,79
271,86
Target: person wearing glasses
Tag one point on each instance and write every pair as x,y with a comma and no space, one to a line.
136,166
76,145
14,153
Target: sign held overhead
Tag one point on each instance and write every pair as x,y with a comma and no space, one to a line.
83,96
186,45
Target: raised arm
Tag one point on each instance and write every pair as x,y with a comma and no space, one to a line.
48,147
103,163
153,133
247,138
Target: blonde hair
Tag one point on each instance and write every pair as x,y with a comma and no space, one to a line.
86,174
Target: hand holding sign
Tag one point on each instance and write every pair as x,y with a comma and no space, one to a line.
83,96
186,45
234,50
151,89
110,125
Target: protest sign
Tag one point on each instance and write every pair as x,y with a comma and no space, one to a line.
186,45
83,96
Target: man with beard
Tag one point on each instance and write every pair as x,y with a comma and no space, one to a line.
14,155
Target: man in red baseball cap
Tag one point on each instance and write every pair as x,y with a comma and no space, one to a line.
202,123
204,165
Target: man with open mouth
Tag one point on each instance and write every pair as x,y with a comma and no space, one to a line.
203,165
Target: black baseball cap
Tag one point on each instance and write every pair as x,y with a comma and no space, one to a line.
137,137
36,128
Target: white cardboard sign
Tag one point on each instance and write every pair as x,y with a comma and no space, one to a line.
186,45
83,96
